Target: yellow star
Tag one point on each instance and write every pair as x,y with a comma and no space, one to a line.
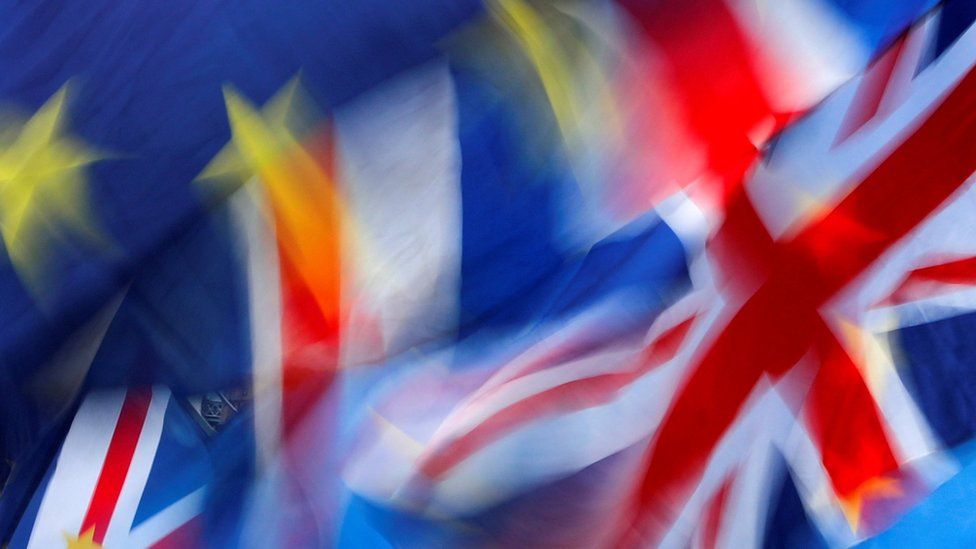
84,541
42,194
272,145
285,147
259,138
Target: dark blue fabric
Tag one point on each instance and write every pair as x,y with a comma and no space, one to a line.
787,525
147,84
22,532
184,318
233,452
646,259
509,252
182,464
956,17
940,371
30,462
516,266
878,21
146,91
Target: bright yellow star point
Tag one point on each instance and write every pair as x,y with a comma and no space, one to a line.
42,187
84,541
269,144
259,137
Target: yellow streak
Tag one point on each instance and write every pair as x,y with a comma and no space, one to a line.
84,541
303,196
579,112
42,180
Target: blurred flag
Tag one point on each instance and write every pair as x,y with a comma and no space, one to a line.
104,133
130,473
705,84
853,221
476,269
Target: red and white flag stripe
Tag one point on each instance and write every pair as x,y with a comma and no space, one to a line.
101,471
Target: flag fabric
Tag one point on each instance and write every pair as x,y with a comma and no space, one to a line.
130,473
517,273
78,101
840,218
497,408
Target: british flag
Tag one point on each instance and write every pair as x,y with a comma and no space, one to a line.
586,273
145,489
807,363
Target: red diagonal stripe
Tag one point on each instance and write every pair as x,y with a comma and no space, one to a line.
844,420
776,325
575,395
960,271
900,193
714,512
928,280
762,336
117,461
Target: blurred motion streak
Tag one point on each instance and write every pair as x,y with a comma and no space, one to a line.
488,273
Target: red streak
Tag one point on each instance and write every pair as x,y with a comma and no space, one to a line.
117,461
575,395
924,281
781,321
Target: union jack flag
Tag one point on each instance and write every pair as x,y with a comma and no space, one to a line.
791,369
526,273
146,489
